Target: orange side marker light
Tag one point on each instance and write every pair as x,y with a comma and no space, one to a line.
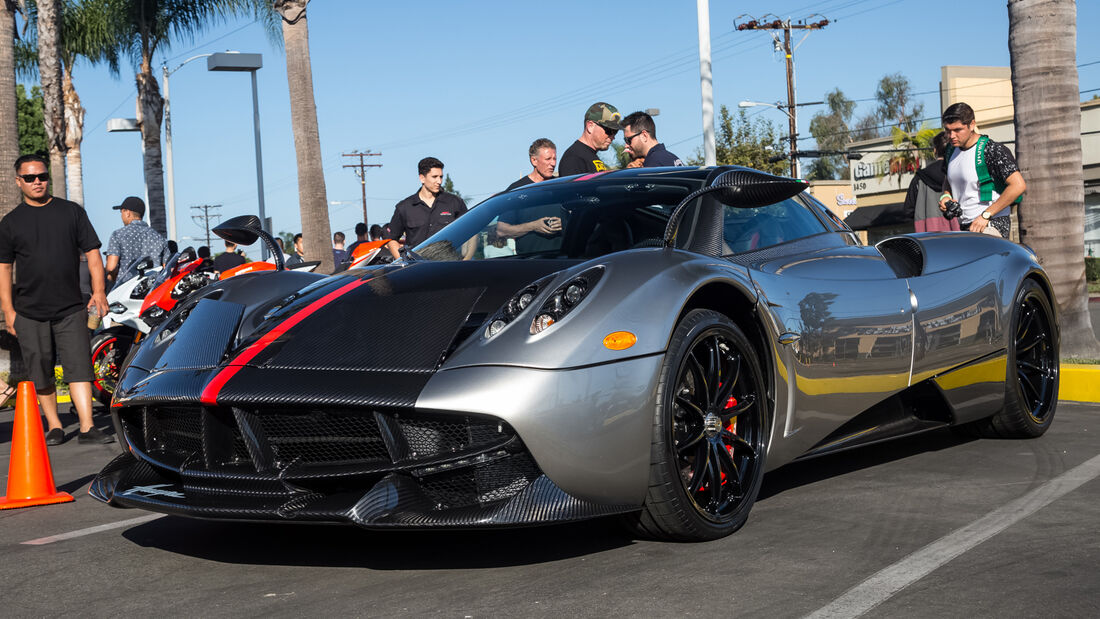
620,340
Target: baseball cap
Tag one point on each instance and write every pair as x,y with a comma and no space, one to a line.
133,203
604,115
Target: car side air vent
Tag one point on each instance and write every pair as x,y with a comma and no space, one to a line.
904,255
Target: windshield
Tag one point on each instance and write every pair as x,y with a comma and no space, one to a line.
562,220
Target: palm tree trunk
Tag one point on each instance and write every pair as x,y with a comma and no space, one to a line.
150,111
74,135
49,69
9,121
312,200
1042,47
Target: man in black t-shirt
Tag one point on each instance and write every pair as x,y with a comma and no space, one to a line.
425,212
45,237
601,123
228,260
544,158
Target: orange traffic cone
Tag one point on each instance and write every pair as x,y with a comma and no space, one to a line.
30,479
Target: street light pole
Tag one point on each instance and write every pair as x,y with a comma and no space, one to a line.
259,162
236,61
706,84
169,171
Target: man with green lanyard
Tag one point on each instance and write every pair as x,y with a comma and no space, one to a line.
982,175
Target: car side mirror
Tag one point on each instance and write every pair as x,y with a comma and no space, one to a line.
738,188
244,230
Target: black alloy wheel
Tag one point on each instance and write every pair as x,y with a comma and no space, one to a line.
1031,381
710,433
1036,363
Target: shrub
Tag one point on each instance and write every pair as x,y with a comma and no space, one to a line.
1092,269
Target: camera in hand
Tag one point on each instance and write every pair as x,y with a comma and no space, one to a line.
953,209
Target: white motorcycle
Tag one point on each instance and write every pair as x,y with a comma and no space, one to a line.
122,326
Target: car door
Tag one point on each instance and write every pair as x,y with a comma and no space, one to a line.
843,325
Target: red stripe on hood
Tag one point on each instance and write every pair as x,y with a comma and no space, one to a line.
210,392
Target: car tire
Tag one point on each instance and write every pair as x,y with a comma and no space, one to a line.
116,342
709,434
1031,380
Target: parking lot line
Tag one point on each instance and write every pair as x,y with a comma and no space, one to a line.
887,582
90,530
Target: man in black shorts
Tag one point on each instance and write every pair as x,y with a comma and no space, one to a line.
45,237
601,123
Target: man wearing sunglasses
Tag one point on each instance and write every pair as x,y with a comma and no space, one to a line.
640,136
601,123
46,236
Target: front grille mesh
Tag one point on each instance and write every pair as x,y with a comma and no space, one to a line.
482,483
174,429
319,437
308,437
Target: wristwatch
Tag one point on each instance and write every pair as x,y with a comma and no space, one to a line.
986,215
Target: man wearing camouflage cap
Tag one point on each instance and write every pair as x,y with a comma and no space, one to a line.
601,123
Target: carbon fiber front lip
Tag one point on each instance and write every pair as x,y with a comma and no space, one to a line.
396,501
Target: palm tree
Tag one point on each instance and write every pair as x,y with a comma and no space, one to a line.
141,28
312,200
9,121
911,150
84,34
48,23
1041,45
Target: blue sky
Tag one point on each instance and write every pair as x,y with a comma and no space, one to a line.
475,83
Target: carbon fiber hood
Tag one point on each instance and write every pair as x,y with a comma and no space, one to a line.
388,328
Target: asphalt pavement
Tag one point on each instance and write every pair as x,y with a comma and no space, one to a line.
934,525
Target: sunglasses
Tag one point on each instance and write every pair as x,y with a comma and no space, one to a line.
610,132
30,178
628,138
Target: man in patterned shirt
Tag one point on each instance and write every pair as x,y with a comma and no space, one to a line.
981,175
132,242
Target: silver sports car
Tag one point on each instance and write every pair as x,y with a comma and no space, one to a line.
646,343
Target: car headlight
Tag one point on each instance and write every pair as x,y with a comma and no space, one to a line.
563,300
515,306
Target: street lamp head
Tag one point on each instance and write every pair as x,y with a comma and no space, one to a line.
234,61
123,124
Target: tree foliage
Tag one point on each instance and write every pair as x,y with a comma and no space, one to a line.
739,141
831,131
896,108
449,187
32,128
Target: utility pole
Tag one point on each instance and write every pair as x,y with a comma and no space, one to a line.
792,109
361,172
206,215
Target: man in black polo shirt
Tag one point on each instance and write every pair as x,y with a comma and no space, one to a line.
601,123
45,237
425,212
640,136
